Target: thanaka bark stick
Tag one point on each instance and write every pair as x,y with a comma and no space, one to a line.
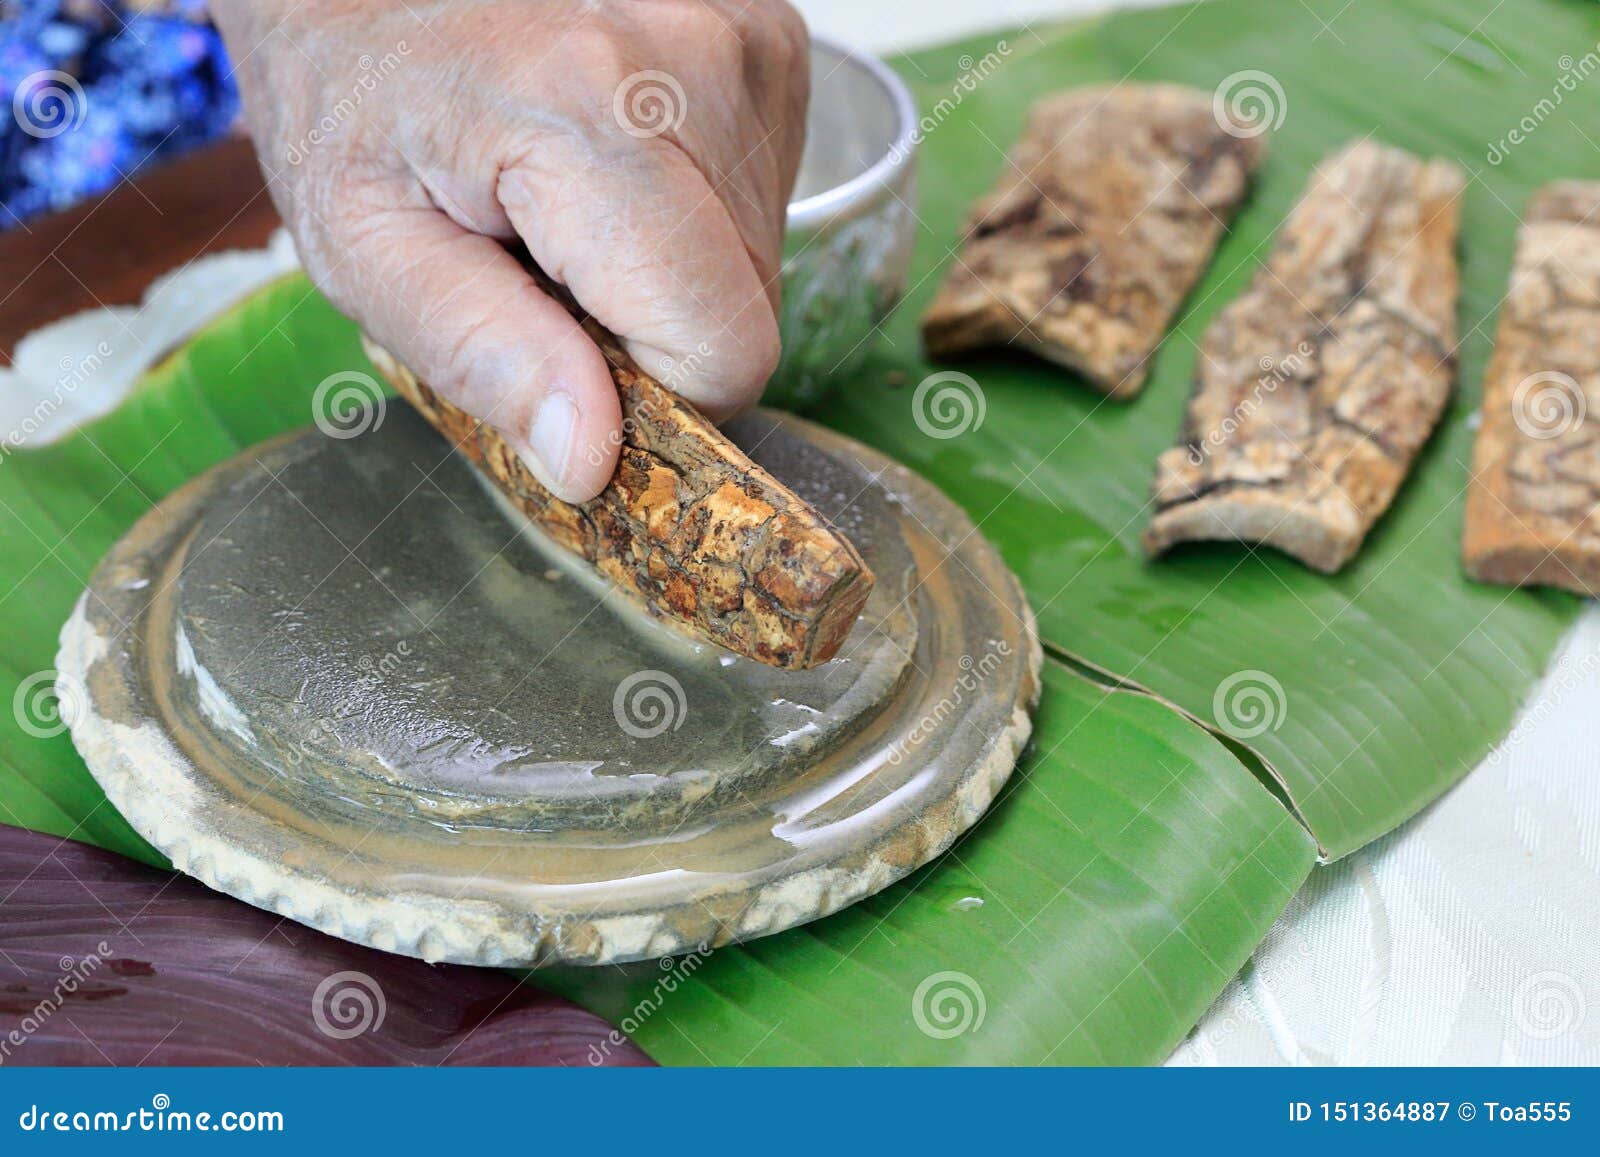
1533,507
689,526
1108,210
1316,388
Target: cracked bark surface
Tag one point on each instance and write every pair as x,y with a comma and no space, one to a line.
1317,387
1108,210
1533,508
688,525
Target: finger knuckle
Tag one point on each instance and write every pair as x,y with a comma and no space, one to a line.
594,55
316,247
775,32
755,355
791,30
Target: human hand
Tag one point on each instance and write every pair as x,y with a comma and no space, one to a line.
644,152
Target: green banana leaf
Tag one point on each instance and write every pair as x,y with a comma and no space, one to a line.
1388,682
1126,874
1135,860
62,506
1130,870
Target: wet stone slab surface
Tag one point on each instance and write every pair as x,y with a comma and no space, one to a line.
345,681
455,665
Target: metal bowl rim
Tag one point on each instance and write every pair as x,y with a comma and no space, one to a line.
815,210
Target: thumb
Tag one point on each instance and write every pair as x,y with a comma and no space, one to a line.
468,320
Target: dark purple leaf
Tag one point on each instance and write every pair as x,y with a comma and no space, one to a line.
104,961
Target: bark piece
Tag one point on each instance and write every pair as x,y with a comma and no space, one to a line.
1317,386
1533,507
1108,211
688,525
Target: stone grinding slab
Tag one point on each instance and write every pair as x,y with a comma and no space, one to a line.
415,723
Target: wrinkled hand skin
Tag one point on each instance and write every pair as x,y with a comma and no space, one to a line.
406,144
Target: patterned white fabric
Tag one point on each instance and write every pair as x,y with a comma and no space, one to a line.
1470,936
